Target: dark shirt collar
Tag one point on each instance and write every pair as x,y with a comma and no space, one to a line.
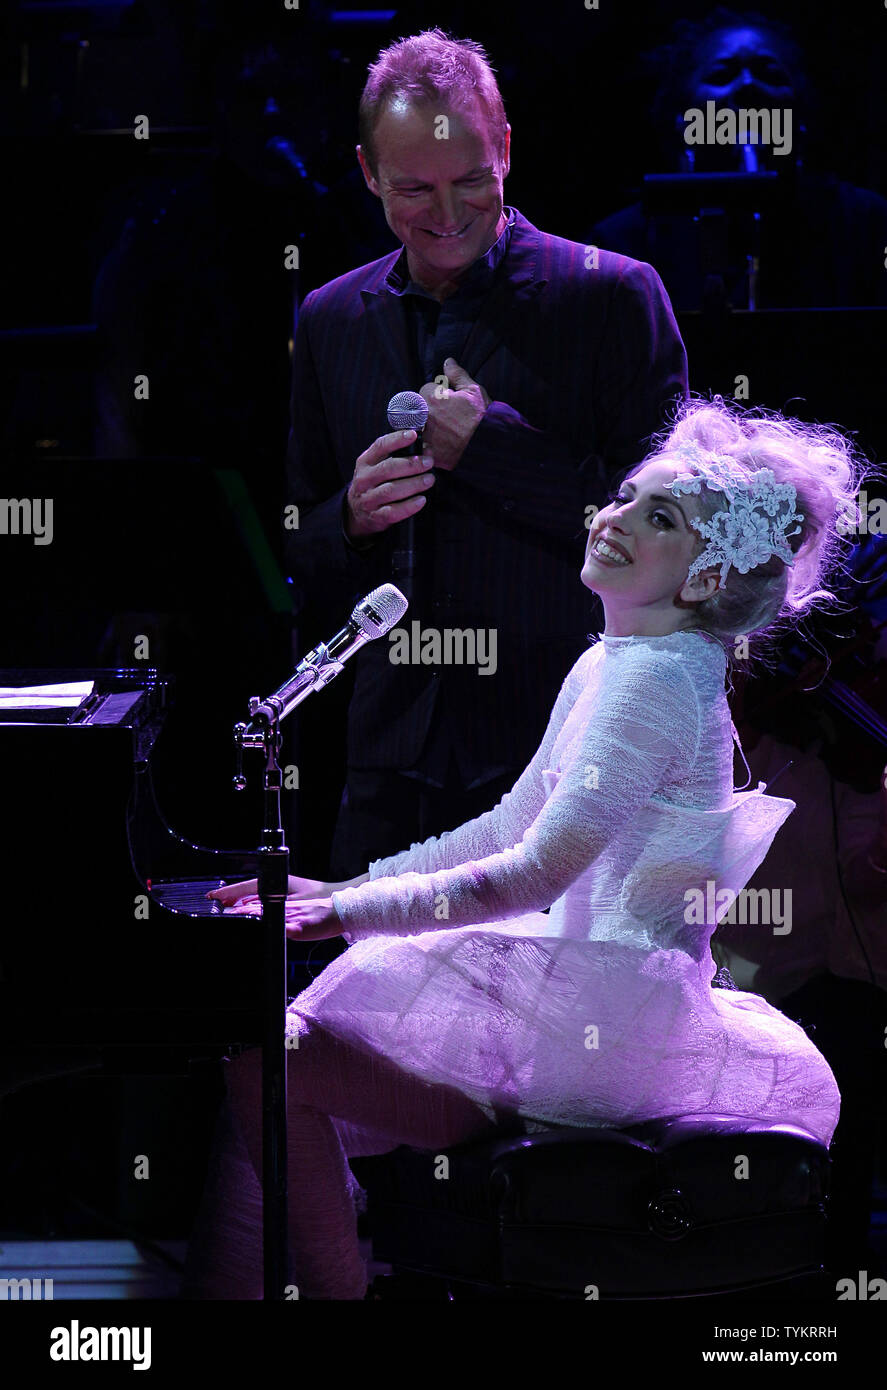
477,277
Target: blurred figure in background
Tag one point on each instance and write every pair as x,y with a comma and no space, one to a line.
821,243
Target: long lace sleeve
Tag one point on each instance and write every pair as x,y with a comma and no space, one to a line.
504,825
642,729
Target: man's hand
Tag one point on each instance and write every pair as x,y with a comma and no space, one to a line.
454,413
385,490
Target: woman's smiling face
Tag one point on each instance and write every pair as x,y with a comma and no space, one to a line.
645,592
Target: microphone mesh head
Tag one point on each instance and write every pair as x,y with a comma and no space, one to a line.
379,611
407,411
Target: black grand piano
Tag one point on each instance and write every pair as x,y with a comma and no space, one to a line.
109,942
104,960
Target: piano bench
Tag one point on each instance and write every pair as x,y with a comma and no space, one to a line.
688,1207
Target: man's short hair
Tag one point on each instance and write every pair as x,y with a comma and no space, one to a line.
436,68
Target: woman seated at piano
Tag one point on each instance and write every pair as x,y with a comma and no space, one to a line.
463,1008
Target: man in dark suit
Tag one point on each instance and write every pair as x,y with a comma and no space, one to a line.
546,366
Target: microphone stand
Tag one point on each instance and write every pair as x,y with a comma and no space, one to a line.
263,733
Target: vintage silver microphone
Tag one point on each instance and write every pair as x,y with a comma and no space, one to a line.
372,617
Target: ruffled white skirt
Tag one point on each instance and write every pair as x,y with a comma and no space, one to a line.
574,1032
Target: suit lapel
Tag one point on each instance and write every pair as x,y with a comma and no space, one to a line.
516,287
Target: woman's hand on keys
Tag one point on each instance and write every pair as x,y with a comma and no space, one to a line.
247,892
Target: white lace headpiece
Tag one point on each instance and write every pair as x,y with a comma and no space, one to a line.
754,526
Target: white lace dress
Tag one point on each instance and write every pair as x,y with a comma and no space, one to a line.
600,1012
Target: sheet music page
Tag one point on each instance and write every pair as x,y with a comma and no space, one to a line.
67,695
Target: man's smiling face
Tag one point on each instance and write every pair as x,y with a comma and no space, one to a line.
443,198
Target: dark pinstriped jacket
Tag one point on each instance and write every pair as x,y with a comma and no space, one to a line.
580,364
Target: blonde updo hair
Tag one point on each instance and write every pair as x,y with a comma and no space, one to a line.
826,471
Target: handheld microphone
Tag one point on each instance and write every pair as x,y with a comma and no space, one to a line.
407,411
372,617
